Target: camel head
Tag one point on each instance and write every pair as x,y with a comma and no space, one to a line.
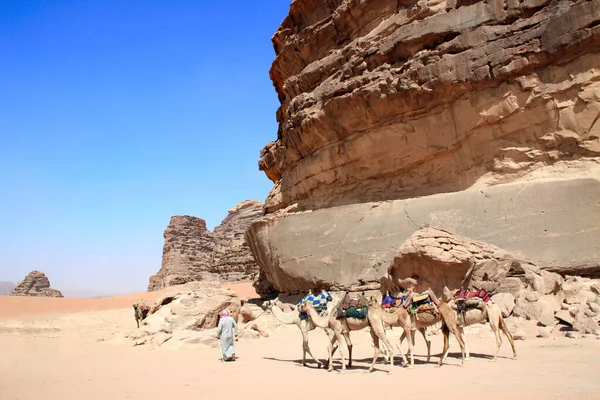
305,307
268,304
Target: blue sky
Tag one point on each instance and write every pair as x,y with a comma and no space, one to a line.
117,115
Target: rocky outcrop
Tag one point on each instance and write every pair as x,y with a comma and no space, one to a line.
438,259
232,258
190,314
6,288
192,252
35,284
386,101
482,118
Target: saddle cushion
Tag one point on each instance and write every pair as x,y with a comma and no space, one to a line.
420,297
353,312
463,305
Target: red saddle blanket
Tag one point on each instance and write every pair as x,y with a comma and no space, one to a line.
465,294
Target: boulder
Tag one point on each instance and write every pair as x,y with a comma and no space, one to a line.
506,302
249,312
35,284
175,315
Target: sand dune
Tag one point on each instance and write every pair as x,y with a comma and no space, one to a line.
24,307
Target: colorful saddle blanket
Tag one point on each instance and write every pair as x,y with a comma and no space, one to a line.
465,300
391,302
465,294
319,302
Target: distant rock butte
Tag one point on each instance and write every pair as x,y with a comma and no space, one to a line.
192,252
35,284
482,118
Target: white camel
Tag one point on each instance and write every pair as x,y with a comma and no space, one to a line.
305,325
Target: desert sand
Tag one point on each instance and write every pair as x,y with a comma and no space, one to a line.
74,349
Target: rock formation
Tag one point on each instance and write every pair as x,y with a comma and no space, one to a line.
6,288
192,252
35,284
190,314
482,118
439,259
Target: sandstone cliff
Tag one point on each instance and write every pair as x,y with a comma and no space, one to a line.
192,252
477,117
35,284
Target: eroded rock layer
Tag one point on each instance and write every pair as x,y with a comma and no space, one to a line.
36,283
192,252
480,117
388,100
552,223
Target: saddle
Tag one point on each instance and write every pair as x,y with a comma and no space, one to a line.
422,303
391,302
353,312
319,302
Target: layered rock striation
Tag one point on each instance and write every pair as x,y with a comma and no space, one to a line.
36,283
480,117
384,100
192,252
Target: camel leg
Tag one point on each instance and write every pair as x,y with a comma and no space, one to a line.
306,349
464,338
498,339
427,342
508,335
338,338
410,347
376,349
446,334
331,337
349,346
381,334
456,331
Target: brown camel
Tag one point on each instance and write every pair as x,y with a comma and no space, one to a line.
491,314
140,310
342,328
423,320
293,318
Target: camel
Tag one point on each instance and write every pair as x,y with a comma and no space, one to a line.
341,329
293,318
445,314
491,314
424,320
141,310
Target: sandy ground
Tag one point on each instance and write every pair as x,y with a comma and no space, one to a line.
78,352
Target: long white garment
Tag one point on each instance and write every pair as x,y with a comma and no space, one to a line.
225,331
